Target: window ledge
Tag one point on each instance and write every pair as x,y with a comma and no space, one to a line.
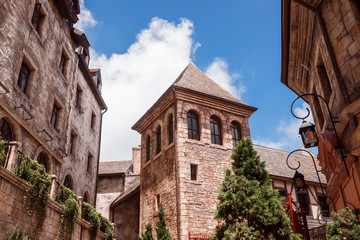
169,146
194,182
198,142
147,163
218,146
157,156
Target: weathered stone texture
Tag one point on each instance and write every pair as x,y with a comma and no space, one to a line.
13,212
29,112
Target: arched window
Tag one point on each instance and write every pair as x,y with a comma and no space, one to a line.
68,182
215,129
86,197
171,129
5,130
235,132
193,125
148,148
158,140
42,159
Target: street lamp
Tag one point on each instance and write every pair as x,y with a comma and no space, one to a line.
299,181
307,130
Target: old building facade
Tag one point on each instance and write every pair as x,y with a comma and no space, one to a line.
321,55
187,138
51,103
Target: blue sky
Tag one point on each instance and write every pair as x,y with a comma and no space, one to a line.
142,46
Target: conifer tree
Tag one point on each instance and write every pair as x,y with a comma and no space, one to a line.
147,235
162,232
346,225
248,208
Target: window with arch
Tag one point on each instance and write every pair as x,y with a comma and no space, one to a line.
193,125
86,197
158,140
5,130
68,182
235,132
171,129
215,129
43,159
147,148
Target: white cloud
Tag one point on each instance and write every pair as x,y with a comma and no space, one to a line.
287,132
218,70
134,80
86,19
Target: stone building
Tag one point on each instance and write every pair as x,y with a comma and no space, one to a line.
321,55
187,138
51,103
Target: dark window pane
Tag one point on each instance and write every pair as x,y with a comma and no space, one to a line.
324,206
235,131
37,16
171,131
193,125
89,163
5,130
304,203
42,159
54,116
71,143
193,172
68,182
215,130
147,149
23,77
62,63
158,140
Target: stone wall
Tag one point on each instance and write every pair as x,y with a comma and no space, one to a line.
29,112
13,212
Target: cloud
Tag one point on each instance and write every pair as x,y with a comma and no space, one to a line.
287,132
134,80
86,19
218,70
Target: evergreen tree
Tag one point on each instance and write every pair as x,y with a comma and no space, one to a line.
248,208
162,232
345,226
147,235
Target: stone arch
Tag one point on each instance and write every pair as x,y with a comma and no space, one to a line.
86,197
14,126
68,180
49,160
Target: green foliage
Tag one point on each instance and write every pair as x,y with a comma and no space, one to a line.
89,214
106,227
147,235
3,146
37,194
345,226
162,232
15,235
248,208
69,201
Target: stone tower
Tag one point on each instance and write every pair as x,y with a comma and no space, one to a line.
186,142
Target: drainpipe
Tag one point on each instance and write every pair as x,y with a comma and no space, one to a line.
98,156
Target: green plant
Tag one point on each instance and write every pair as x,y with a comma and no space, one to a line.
345,226
37,194
69,200
147,235
162,232
89,214
106,227
3,146
248,208
15,235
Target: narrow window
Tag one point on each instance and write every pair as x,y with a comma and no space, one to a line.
235,132
37,17
68,182
158,140
93,119
5,130
23,77
54,115
72,143
78,96
42,159
193,169
89,163
304,202
86,198
325,210
62,63
215,130
157,202
171,129
193,125
148,148
324,78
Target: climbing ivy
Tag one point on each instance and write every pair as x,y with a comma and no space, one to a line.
89,214
3,145
106,227
16,234
37,194
69,200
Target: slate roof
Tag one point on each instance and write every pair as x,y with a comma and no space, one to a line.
275,161
135,186
114,167
194,79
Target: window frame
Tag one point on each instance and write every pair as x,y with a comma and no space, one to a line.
216,136
158,140
307,202
55,113
148,152
38,17
193,172
235,129
194,118
21,82
171,129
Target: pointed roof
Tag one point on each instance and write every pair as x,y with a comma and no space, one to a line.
194,79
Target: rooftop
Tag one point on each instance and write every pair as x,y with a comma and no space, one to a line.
114,167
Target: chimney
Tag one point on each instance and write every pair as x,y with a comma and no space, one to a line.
136,158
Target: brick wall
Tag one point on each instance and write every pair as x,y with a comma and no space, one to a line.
13,212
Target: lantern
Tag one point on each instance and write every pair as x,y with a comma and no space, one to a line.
299,181
308,134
